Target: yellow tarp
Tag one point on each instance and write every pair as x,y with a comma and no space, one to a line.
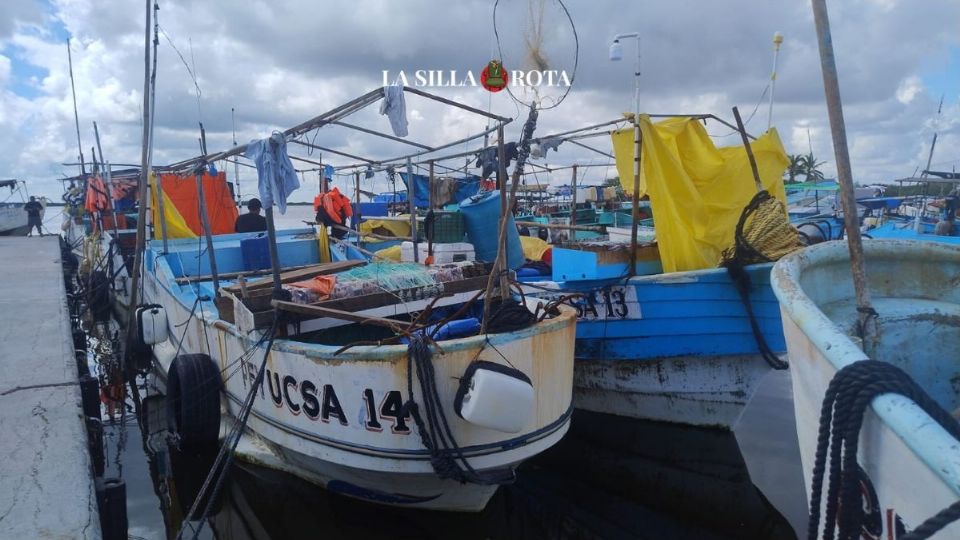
395,227
697,191
176,226
533,247
391,253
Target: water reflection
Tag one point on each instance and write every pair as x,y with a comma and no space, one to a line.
609,478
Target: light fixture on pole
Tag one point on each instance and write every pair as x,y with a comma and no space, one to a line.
777,40
616,54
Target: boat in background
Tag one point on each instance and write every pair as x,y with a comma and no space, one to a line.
911,465
13,218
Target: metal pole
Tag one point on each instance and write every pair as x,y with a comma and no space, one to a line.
96,135
144,161
73,90
356,196
411,192
502,254
573,204
635,211
205,221
116,232
831,85
161,206
274,256
236,165
777,40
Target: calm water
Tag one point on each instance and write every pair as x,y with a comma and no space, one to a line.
608,478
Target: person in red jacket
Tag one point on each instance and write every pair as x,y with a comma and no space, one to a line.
333,208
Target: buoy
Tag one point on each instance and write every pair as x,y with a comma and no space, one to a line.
151,324
495,396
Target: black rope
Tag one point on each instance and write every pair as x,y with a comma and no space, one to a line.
509,316
735,261
849,394
220,469
446,457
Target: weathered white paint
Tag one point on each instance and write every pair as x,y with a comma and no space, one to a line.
707,391
349,450
912,462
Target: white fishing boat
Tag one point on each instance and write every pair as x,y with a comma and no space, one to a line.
13,218
320,384
910,463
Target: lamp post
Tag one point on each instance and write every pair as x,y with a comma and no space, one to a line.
777,40
616,54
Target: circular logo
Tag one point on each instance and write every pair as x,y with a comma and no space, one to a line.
494,76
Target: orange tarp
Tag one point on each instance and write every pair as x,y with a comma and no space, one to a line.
221,210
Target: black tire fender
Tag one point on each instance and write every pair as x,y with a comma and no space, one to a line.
193,400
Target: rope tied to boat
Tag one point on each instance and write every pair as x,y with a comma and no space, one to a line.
763,234
849,394
446,456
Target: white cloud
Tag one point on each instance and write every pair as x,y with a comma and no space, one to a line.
280,62
909,88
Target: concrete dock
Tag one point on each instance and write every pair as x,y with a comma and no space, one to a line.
46,482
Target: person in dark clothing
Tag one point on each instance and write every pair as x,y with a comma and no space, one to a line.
33,209
252,221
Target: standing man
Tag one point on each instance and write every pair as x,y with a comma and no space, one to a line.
333,208
33,209
252,221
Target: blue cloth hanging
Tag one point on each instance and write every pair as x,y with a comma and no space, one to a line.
466,187
276,177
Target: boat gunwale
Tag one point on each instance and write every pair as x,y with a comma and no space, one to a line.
319,351
911,424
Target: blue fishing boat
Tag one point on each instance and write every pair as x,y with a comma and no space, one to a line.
677,347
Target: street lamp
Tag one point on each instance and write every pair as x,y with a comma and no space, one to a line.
616,54
777,40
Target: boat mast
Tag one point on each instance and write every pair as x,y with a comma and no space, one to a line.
831,86
76,117
236,164
144,165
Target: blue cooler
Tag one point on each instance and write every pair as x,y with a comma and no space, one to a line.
481,218
255,252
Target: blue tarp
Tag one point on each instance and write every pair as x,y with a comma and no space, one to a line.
466,187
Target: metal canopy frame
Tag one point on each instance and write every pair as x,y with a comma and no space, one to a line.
336,117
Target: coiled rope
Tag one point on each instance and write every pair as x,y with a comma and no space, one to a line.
841,416
446,457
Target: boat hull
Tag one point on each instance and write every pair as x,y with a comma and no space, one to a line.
672,347
334,419
911,464
13,219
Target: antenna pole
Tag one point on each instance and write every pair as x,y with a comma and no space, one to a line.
76,117
236,165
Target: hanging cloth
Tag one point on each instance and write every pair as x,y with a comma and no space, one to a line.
276,177
395,107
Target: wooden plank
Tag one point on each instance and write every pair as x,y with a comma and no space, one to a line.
313,310
232,275
375,300
299,274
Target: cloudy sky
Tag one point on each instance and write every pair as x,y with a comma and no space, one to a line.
279,62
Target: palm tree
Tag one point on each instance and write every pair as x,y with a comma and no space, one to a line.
795,168
811,168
